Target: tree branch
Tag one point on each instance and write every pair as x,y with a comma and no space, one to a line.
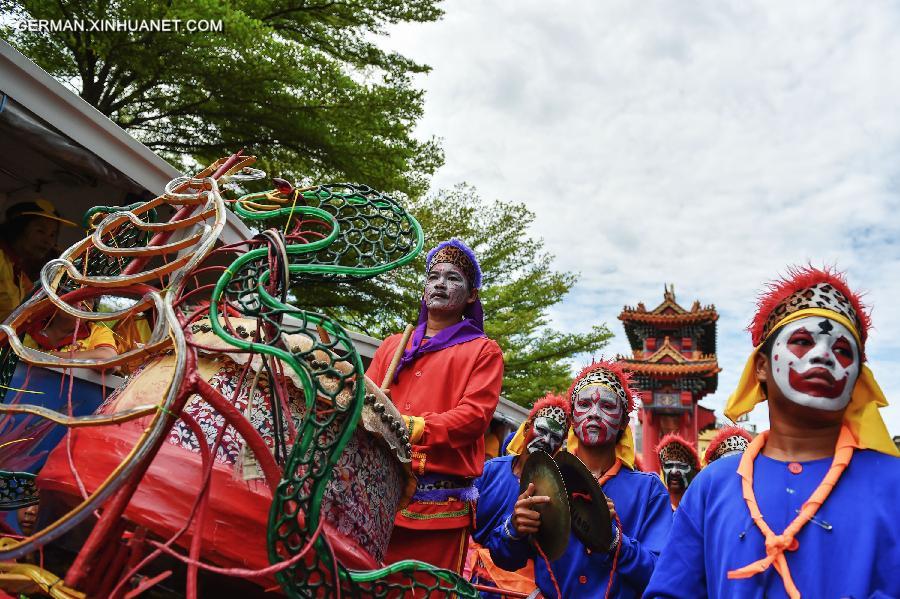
295,9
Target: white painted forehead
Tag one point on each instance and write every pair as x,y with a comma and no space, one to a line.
598,389
813,325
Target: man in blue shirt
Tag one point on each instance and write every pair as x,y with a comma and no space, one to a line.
680,464
810,508
498,488
601,403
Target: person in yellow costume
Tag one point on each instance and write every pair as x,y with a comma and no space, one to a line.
27,241
61,335
809,509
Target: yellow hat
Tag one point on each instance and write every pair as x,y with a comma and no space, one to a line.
39,207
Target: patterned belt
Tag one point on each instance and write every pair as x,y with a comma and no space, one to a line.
431,482
438,487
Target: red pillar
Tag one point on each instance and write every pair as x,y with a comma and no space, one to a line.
651,439
687,426
695,428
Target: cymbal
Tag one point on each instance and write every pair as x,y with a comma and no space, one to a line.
553,534
591,520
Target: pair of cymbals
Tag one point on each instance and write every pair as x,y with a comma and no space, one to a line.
577,503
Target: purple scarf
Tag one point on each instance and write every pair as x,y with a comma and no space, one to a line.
469,328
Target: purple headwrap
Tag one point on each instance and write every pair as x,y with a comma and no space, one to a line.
456,252
469,328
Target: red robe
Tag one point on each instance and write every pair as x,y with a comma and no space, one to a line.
456,391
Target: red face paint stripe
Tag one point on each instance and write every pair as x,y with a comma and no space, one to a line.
816,387
843,359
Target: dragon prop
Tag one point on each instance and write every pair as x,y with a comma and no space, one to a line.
233,301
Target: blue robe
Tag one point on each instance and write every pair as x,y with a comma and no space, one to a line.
642,503
713,533
498,490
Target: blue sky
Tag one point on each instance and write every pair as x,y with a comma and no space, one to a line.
705,144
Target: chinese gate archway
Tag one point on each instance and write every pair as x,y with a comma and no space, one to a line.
674,365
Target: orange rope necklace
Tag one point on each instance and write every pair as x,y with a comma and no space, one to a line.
549,569
776,545
611,472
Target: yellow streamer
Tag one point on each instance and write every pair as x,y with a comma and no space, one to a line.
22,390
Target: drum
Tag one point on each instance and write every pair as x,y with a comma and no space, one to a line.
369,483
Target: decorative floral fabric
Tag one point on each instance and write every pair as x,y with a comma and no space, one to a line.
363,494
260,414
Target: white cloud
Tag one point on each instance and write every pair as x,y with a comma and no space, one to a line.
704,144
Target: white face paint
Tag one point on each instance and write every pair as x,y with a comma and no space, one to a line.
815,363
547,435
678,474
446,288
597,415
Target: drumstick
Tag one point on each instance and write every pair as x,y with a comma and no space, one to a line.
407,333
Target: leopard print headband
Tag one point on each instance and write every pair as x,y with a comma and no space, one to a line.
453,255
820,295
676,452
601,377
553,413
732,444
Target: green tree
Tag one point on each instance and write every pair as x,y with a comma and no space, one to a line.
300,83
520,285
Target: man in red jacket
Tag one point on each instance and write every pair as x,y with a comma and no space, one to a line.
447,386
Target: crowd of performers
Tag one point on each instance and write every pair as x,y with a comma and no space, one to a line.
806,508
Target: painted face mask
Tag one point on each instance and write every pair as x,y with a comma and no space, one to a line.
679,461
548,434
597,415
446,288
815,363
678,474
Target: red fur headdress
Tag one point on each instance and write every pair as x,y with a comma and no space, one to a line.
673,447
614,373
726,433
548,402
808,287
